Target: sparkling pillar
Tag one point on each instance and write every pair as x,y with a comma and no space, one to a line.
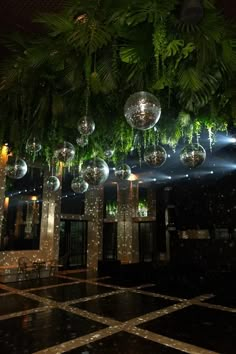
94,199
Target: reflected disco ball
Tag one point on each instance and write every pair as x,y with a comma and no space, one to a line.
78,185
65,152
82,140
108,153
53,184
95,171
33,146
142,110
86,126
16,168
192,155
155,156
123,171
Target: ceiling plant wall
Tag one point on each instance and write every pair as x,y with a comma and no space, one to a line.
93,56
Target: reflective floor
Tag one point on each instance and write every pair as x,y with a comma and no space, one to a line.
80,312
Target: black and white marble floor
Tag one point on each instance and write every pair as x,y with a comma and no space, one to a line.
78,312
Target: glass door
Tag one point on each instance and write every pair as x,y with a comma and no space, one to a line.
73,243
110,241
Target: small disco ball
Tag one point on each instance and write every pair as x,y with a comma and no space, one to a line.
33,146
86,125
123,171
142,110
95,171
155,156
16,168
82,140
53,184
65,152
108,153
78,185
192,155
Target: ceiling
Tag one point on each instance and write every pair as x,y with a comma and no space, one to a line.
17,15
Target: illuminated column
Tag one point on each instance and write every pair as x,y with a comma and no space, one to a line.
50,222
3,160
127,236
94,199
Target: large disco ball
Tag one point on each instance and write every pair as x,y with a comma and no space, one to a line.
33,146
86,125
155,156
142,110
192,155
95,171
16,168
78,185
65,152
53,184
123,171
82,140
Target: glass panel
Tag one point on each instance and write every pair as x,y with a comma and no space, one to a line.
22,212
110,241
146,241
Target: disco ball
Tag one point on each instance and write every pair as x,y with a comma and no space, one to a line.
123,171
65,152
78,185
86,126
53,184
82,140
95,171
16,168
192,155
142,110
108,153
155,156
33,146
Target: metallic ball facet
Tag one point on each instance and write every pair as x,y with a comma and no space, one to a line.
95,171
16,168
123,171
192,155
86,126
53,184
142,110
108,153
78,185
155,156
33,146
65,152
82,140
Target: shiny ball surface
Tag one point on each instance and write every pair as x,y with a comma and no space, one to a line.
155,156
16,168
142,110
78,185
53,184
65,152
86,125
192,155
123,171
33,146
95,171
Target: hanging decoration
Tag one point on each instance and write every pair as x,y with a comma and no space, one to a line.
109,153
16,168
78,185
86,125
142,110
65,152
33,146
193,155
82,140
155,156
95,171
123,171
53,184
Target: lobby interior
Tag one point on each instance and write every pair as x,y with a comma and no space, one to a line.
114,237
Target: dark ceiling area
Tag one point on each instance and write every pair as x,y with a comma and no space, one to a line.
17,15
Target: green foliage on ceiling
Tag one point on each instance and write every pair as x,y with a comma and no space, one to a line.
110,49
